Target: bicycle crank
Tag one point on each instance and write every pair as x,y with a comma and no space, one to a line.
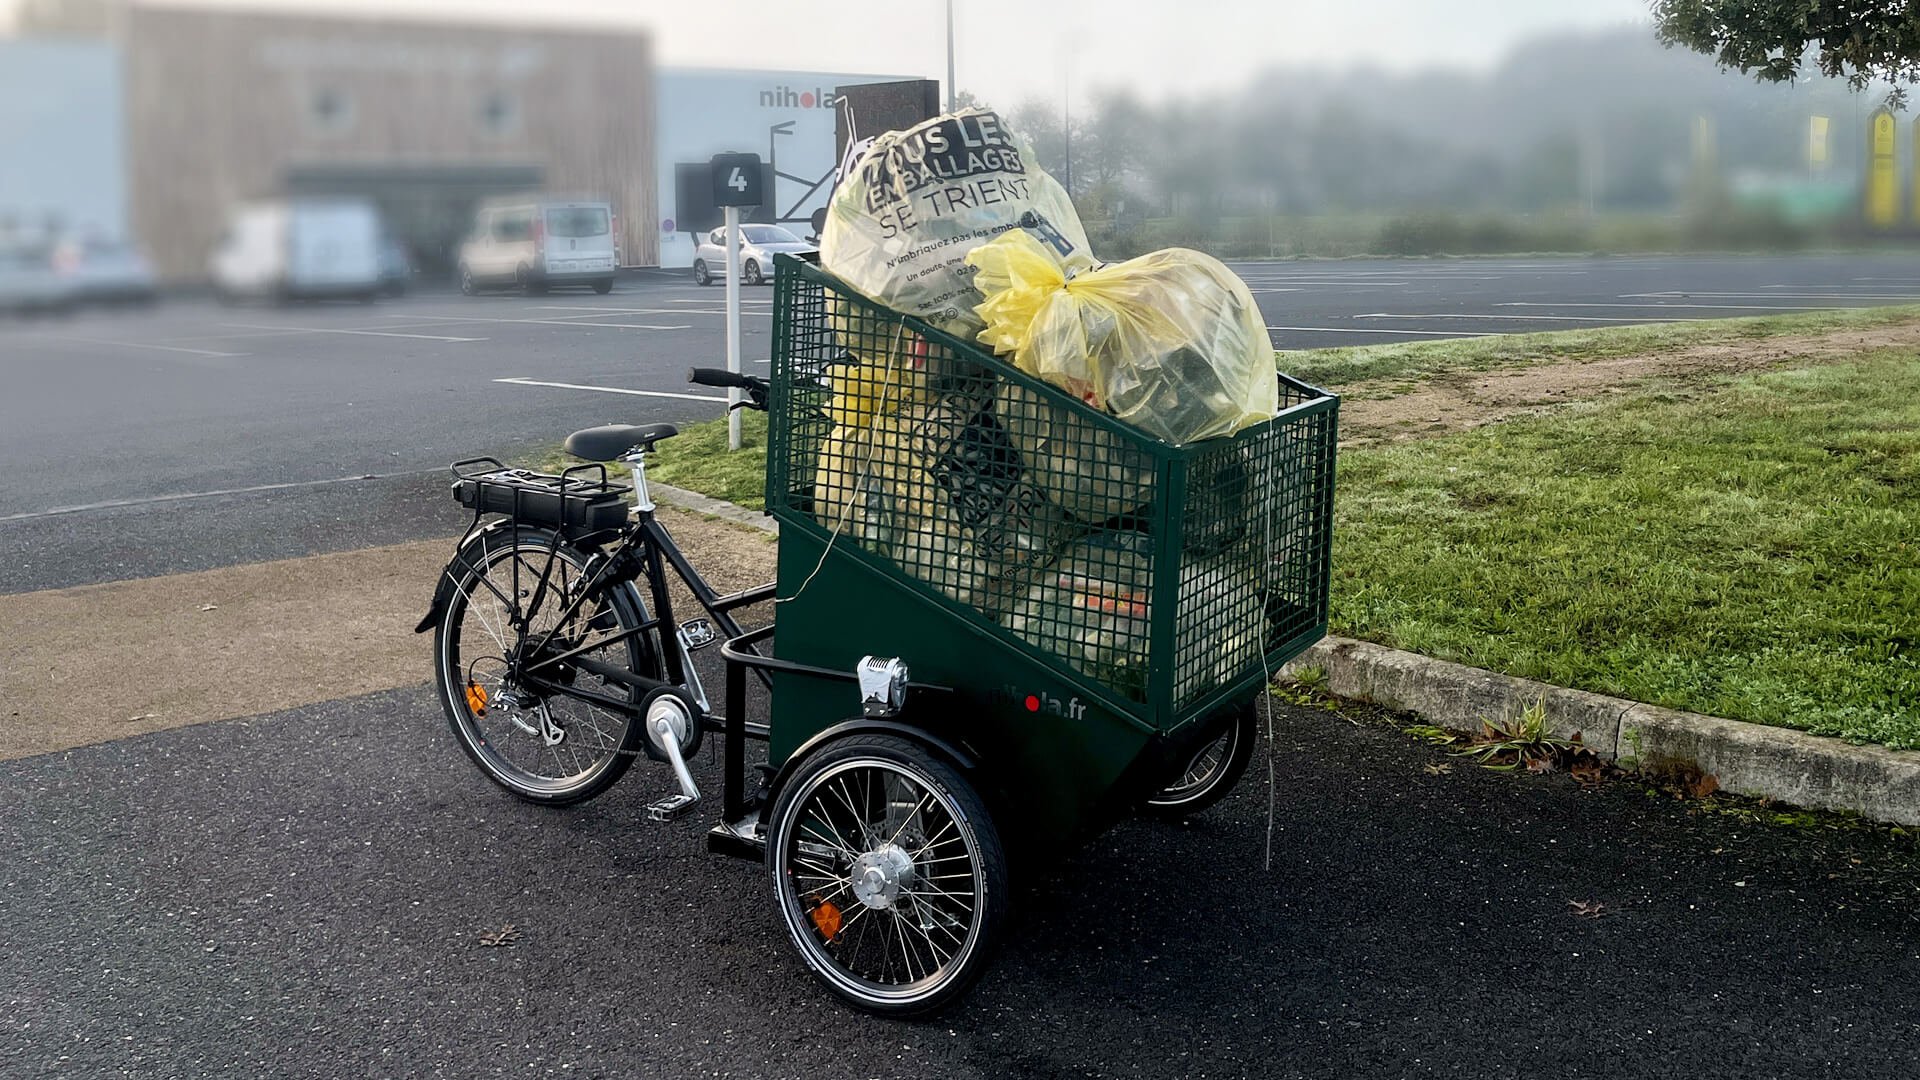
671,720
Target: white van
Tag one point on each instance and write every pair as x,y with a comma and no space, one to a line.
301,248
533,245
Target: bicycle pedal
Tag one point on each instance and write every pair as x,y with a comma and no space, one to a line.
697,634
673,806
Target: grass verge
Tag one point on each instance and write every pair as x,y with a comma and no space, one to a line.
697,459
1339,369
1753,552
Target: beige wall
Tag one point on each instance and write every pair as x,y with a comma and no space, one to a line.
221,105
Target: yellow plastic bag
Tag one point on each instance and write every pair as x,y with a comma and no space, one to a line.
887,368
1171,342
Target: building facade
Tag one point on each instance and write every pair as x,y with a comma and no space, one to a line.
426,119
787,117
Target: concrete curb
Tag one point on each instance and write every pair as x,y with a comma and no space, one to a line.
1749,759
707,504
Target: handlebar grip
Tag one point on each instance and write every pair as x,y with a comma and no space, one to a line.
706,376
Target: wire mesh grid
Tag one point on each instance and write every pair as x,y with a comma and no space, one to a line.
1049,521
1253,577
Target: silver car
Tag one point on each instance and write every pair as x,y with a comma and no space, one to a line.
99,270
28,283
758,245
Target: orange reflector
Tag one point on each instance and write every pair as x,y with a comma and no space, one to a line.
826,919
476,698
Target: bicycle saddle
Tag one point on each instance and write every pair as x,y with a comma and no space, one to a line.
611,441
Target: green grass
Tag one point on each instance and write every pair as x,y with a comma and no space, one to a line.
697,459
1752,552
1338,369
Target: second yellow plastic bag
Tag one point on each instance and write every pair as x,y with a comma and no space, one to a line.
1171,342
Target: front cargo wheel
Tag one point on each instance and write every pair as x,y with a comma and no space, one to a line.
888,873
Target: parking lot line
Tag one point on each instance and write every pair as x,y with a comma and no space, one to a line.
1525,318
338,330
1769,296
449,320
149,500
1384,330
1656,307
591,313
147,345
523,381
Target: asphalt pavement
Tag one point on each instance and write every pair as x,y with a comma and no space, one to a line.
193,435
303,894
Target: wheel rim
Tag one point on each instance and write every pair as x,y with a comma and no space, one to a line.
1204,769
880,880
700,273
753,273
511,728
466,281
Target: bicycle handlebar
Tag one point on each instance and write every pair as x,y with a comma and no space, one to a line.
707,376
755,386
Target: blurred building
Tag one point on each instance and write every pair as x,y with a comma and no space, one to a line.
424,118
152,122
787,117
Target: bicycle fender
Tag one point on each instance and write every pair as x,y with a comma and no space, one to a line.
443,589
955,756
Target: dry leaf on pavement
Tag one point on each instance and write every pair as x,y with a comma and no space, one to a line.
501,938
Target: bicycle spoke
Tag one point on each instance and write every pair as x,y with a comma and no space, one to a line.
513,595
911,815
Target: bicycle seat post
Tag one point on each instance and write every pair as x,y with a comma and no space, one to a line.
636,459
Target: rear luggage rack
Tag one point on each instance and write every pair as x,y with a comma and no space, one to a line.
581,497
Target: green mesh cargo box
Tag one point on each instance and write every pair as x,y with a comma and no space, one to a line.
1087,590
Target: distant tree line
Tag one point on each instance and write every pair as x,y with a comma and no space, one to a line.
1575,122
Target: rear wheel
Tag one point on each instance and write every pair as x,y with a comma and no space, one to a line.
467,287
529,282
603,286
888,873
1215,767
541,744
700,274
752,273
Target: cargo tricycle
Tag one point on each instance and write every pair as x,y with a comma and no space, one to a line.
1001,622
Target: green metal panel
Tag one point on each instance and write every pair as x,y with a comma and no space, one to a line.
942,506
1049,743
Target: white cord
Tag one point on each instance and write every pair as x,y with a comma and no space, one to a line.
1266,669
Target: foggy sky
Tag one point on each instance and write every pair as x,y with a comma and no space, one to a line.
1011,50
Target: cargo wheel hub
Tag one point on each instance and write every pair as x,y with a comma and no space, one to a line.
880,875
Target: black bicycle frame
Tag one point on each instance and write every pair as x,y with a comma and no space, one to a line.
638,555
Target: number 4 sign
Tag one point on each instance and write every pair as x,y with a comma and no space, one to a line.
737,180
